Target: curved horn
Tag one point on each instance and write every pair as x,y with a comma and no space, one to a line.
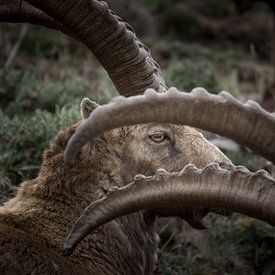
236,189
247,124
14,11
127,61
114,43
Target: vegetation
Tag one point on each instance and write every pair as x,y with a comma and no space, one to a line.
24,137
237,246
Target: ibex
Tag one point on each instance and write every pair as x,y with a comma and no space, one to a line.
85,163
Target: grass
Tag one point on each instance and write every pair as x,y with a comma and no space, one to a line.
24,137
187,74
237,246
27,91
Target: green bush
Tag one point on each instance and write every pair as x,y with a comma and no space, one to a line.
158,5
219,8
251,161
238,246
181,23
38,42
23,92
188,74
24,137
27,91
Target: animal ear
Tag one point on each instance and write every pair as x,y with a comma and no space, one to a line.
87,106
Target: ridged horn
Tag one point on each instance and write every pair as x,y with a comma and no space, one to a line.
247,124
15,11
236,189
127,61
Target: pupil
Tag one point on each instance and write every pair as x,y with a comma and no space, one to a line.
157,136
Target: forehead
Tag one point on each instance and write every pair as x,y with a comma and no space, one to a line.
156,126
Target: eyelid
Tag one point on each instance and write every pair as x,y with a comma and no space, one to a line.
158,132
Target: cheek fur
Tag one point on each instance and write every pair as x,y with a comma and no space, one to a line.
174,154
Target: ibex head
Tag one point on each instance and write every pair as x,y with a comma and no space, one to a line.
144,148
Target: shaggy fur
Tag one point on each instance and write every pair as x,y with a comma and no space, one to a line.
34,224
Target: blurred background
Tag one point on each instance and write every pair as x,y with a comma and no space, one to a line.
215,44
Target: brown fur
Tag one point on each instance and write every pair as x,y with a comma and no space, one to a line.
34,224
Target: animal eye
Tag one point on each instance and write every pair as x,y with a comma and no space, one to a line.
158,136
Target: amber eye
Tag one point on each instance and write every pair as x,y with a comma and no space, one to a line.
158,136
